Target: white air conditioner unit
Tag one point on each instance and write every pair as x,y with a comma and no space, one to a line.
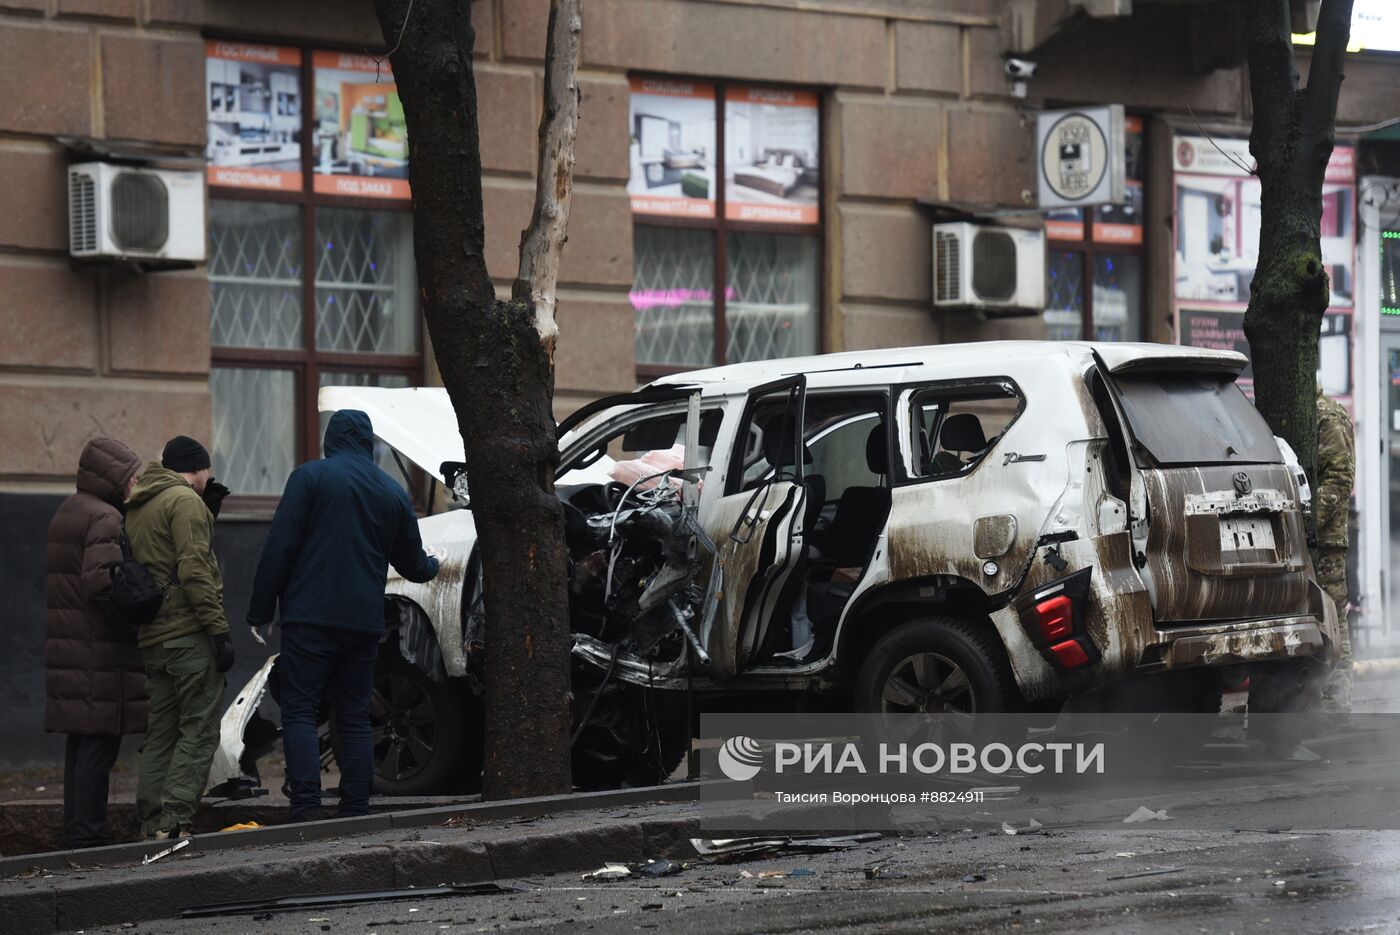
1000,270
152,216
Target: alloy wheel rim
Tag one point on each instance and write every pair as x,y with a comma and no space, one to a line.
403,725
927,683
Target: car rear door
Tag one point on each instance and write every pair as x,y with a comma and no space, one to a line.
1223,536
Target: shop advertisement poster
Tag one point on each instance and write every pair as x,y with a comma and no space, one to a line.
1113,224
1217,215
771,146
672,148
253,97
361,144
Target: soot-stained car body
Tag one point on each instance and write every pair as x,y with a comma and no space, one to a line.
984,527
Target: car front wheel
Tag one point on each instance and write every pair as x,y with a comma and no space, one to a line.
426,737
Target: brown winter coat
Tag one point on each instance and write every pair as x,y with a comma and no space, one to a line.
96,680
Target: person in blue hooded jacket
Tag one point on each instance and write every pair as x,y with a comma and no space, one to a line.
341,523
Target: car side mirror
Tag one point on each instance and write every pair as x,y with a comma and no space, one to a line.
454,474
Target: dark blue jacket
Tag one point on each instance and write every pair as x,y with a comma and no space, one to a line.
341,523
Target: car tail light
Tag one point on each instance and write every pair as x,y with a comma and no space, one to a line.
1055,618
1069,654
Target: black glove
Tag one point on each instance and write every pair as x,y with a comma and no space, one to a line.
213,496
223,652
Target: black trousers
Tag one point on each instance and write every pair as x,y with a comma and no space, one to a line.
87,769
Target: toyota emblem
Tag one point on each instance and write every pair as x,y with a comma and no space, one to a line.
1243,484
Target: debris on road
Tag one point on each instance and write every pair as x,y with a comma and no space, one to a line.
337,900
608,872
1033,827
152,858
974,878
883,873
724,850
242,826
1145,873
1144,813
660,868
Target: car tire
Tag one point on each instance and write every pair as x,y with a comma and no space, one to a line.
940,643
427,734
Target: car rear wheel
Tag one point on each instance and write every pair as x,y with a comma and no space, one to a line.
936,665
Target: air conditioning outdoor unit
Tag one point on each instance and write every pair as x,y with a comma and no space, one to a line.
152,216
1000,270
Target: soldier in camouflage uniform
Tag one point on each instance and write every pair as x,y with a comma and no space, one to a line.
1336,472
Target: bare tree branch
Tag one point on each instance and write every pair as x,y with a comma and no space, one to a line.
542,243
1324,87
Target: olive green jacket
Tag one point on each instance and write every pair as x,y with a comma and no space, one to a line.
171,532
1336,472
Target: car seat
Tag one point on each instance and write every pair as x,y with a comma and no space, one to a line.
961,432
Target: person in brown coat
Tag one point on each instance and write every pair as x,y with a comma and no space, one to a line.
96,678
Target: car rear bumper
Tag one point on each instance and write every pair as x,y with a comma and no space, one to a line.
1243,641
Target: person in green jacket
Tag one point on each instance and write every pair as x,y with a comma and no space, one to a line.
186,648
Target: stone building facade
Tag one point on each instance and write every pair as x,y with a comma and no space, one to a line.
910,108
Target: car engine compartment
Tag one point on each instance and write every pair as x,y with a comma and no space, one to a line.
636,554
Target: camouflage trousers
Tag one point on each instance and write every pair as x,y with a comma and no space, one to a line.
1332,576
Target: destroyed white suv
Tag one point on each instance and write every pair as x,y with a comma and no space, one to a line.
983,527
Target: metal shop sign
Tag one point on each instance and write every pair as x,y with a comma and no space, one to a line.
1081,156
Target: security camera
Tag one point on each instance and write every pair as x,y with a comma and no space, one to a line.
1020,69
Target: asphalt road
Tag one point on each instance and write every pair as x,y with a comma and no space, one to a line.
1080,881
1202,873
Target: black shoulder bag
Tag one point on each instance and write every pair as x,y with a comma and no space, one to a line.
136,598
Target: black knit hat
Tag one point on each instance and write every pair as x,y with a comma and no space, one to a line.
184,455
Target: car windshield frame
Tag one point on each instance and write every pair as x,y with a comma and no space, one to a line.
1193,418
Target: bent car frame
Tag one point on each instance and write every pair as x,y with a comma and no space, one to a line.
971,528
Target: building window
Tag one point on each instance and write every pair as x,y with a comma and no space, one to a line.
725,187
311,268
1101,246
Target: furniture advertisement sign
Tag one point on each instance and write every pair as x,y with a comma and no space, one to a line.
771,146
361,143
672,148
253,97
1217,211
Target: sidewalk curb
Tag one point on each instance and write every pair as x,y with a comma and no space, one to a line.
132,853
426,864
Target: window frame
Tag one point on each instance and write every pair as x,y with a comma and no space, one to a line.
721,226
906,443
1089,250
307,362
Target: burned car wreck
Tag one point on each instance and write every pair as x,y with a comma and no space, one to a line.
973,528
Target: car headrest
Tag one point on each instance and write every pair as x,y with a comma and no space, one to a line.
962,431
778,442
877,456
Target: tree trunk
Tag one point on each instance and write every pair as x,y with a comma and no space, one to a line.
498,368
1291,143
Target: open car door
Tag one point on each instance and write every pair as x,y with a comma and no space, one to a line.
758,525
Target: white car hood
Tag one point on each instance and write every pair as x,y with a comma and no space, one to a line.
420,424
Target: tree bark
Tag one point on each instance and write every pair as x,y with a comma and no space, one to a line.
498,368
1291,142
